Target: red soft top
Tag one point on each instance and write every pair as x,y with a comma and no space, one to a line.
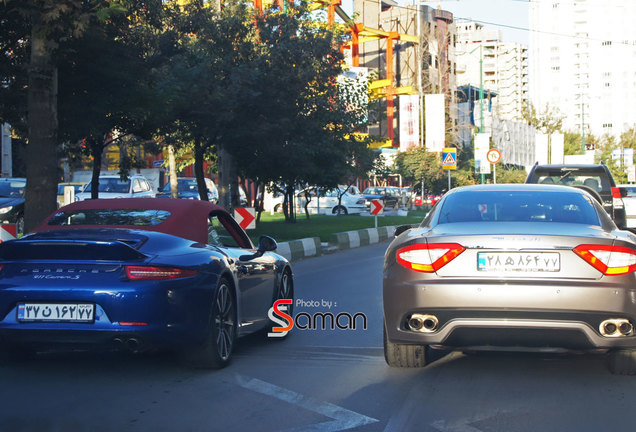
188,218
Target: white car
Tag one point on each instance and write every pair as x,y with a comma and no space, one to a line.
630,204
324,201
135,186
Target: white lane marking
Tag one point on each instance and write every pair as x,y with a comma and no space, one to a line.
463,425
343,419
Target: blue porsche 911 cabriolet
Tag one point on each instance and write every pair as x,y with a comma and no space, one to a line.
139,274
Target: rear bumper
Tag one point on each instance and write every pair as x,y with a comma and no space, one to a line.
539,314
156,314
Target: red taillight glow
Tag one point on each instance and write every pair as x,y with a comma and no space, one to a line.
609,260
428,258
616,192
157,273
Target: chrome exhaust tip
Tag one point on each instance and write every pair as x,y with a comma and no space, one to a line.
423,323
616,327
416,323
132,344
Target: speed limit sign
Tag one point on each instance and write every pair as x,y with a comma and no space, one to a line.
493,156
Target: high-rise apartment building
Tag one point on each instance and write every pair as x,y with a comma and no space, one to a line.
583,62
503,70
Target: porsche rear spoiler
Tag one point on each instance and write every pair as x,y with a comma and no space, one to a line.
69,250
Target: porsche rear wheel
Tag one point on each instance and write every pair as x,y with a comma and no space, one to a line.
404,356
285,290
217,350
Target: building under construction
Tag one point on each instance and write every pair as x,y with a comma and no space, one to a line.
400,65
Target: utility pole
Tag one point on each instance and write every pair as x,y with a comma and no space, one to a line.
481,96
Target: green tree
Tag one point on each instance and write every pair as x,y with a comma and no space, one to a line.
43,25
604,153
106,94
300,124
511,175
203,82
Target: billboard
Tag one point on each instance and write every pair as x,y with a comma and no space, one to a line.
409,121
435,127
482,145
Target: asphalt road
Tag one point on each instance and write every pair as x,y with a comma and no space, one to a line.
318,380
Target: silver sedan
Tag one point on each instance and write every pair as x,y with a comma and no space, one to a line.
533,267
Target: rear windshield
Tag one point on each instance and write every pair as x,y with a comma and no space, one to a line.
116,217
596,180
518,206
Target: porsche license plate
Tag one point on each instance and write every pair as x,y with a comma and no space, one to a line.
519,261
60,312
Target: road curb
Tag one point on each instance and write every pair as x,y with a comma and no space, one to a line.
308,247
364,237
297,249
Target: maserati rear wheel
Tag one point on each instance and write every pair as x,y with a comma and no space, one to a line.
403,355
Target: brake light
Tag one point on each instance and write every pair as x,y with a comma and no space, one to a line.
617,200
609,260
157,273
428,258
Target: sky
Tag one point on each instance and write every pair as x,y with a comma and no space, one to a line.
498,14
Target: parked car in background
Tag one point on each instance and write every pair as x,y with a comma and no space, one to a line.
629,199
325,201
60,191
135,186
390,195
187,189
596,179
12,202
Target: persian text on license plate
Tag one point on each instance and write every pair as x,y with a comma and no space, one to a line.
61,312
519,261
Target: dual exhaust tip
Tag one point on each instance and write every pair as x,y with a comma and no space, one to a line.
616,327
423,323
130,344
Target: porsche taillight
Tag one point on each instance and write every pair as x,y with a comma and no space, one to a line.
157,273
609,260
428,257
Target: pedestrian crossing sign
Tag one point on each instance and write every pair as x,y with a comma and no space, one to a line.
449,158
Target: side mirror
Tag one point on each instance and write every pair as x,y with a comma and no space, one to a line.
401,229
265,244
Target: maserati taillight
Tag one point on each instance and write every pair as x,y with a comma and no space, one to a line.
428,257
608,259
157,273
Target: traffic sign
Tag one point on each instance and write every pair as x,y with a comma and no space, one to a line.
8,232
493,156
246,217
449,158
377,207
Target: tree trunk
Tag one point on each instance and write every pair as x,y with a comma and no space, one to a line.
259,200
172,169
292,205
198,171
97,168
224,167
41,190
